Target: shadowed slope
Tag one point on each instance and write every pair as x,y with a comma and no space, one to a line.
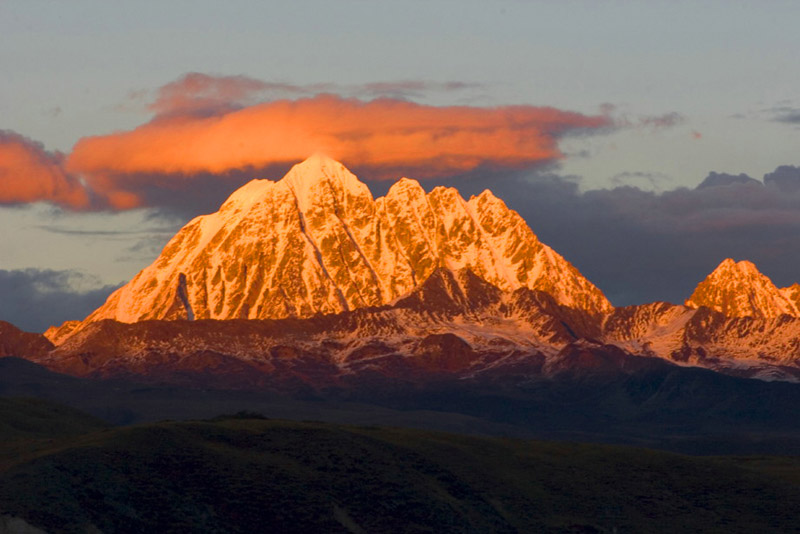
229,475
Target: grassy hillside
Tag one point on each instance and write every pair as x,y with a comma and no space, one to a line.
244,474
27,418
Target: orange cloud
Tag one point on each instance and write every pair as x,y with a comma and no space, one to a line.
28,173
207,129
382,135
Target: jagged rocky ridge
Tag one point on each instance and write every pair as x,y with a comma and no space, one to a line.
316,242
338,286
455,325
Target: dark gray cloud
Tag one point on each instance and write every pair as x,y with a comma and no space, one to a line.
667,120
785,178
785,114
35,299
639,246
653,122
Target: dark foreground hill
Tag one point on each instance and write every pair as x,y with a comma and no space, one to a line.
26,418
246,474
654,405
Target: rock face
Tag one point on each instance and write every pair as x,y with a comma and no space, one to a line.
738,289
316,242
792,294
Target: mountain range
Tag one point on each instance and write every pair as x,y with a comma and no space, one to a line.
311,281
316,242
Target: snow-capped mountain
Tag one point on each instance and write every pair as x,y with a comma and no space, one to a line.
318,282
454,325
738,289
317,242
736,321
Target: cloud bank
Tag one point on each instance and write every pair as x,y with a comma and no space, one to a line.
383,136
35,299
208,128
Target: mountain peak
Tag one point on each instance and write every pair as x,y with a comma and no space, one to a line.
318,173
316,168
315,165
248,194
486,194
741,264
405,187
739,289
316,242
730,267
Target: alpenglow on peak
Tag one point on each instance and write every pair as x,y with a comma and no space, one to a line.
317,242
739,289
